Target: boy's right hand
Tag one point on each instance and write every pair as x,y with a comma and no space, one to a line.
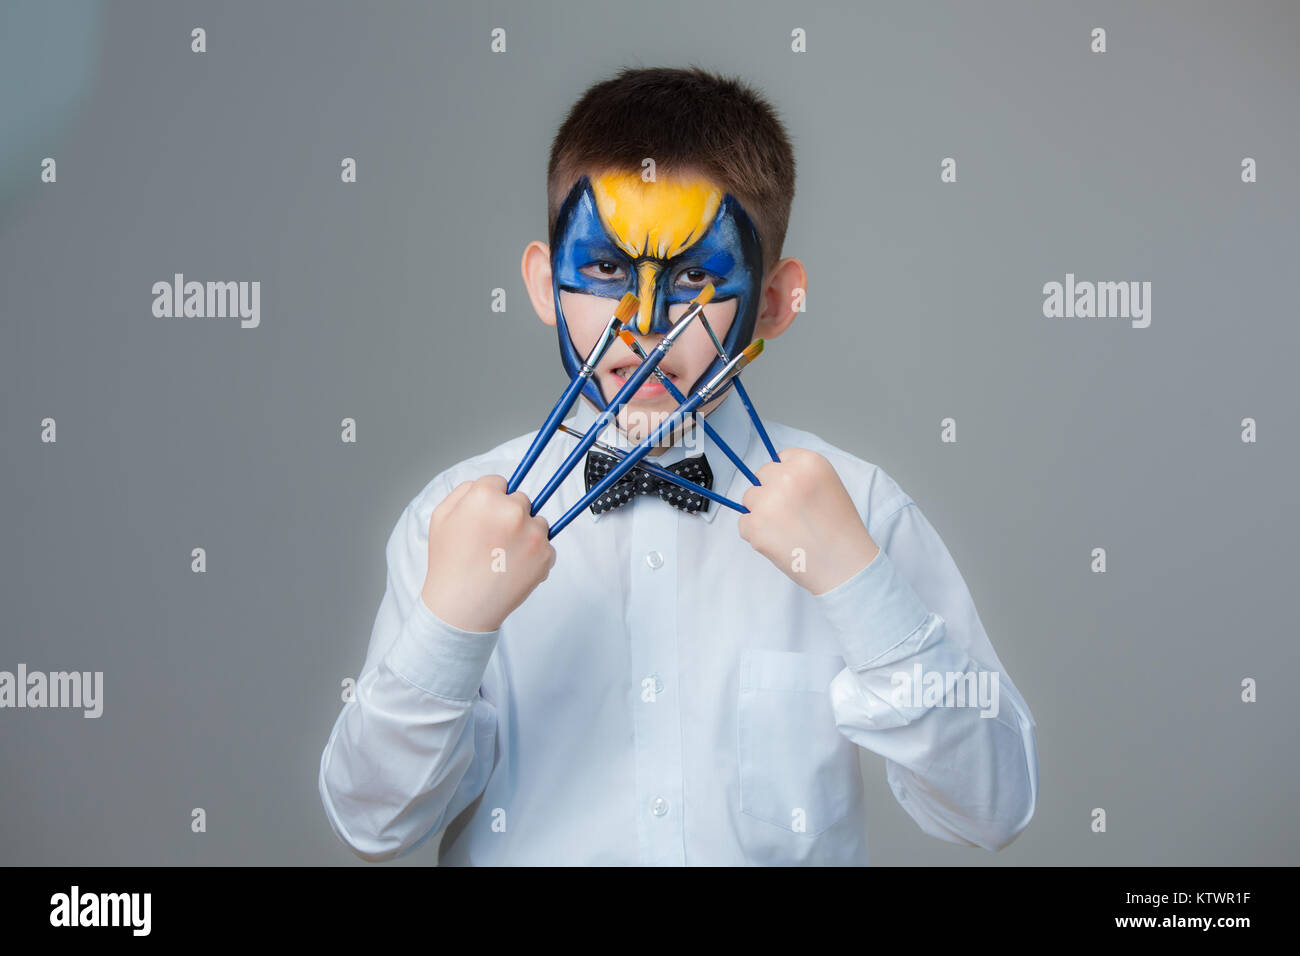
470,584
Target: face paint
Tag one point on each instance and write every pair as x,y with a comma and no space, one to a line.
663,241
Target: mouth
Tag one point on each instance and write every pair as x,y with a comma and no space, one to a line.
652,387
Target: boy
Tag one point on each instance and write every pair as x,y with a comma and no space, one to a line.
661,685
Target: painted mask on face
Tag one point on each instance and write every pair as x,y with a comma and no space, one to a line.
648,237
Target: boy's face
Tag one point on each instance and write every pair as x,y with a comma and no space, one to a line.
665,241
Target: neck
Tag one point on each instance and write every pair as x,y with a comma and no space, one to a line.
680,433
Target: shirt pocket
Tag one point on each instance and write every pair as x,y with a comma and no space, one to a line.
797,771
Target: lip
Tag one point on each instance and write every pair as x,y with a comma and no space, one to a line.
651,388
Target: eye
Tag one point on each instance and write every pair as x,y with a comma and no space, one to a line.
693,278
603,269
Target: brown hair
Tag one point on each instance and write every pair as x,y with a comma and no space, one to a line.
682,119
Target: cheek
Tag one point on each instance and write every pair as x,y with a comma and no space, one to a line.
695,344
586,316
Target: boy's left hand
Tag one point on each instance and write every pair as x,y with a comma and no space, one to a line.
802,519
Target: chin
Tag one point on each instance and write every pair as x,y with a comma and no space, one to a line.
638,419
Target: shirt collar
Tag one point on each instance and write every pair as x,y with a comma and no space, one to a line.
729,420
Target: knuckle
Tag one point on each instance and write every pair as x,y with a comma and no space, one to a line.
449,503
797,459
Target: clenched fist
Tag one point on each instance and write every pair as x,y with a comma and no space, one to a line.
486,554
802,519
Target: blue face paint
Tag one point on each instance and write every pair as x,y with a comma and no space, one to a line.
728,252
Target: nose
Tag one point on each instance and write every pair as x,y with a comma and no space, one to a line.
648,274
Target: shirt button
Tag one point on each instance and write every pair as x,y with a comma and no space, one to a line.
654,559
659,807
657,682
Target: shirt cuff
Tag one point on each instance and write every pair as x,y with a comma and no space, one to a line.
873,611
440,658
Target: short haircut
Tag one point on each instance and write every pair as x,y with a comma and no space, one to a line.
682,119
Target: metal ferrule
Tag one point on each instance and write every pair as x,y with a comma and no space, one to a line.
679,328
611,333
641,354
731,369
603,446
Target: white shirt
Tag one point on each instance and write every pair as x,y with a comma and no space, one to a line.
668,696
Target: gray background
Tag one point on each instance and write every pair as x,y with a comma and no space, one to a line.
924,302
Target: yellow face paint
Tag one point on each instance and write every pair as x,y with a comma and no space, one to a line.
658,220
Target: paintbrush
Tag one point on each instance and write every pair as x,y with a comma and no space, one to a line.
706,391
630,387
626,309
740,390
630,341
663,473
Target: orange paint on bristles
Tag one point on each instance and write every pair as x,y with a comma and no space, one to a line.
627,307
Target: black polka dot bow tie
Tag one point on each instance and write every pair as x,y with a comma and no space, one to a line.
638,481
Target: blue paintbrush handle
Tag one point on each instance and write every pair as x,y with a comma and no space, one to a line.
726,450
666,475
670,476
753,414
548,429
717,439
624,466
634,382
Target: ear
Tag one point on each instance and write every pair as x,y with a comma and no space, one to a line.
784,289
536,269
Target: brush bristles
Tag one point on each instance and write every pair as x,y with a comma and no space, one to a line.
628,338
752,350
627,307
706,295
